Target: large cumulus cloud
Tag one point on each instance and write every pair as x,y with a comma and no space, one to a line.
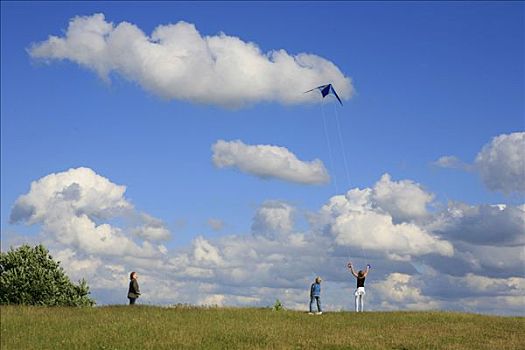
366,219
177,62
76,206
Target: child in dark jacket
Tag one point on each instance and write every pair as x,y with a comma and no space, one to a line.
315,294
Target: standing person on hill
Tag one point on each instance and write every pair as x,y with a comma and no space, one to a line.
315,294
360,290
133,291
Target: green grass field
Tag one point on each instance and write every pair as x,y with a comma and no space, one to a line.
147,327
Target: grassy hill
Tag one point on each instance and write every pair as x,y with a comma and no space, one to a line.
146,327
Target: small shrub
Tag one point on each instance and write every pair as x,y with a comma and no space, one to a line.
277,306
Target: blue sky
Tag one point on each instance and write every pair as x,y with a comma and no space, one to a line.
430,80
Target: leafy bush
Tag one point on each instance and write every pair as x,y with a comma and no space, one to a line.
277,306
30,276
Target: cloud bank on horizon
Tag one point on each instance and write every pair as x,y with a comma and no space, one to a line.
460,257
177,62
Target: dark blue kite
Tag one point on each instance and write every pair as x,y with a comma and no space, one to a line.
326,90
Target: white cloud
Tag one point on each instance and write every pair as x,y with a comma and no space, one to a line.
365,219
404,200
76,267
475,293
152,229
482,284
401,291
374,231
497,260
470,292
268,161
205,252
72,207
80,190
152,233
177,62
452,162
501,163
482,224
273,218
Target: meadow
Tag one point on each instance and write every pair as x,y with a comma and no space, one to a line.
149,327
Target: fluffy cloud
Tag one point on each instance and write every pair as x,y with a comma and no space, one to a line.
495,260
177,62
375,232
75,206
81,190
365,219
268,161
152,233
273,218
470,293
500,163
474,293
404,200
485,224
152,229
487,286
413,266
205,252
491,261
452,162
77,267
399,289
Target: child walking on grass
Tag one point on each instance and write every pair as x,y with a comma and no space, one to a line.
315,294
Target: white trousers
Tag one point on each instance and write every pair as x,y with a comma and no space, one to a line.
359,299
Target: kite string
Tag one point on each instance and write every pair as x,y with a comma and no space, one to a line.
332,164
341,144
345,163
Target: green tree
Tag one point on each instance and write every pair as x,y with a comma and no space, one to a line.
30,276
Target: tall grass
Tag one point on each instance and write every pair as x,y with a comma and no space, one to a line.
146,327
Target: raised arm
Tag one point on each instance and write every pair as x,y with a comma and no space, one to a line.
367,269
352,270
